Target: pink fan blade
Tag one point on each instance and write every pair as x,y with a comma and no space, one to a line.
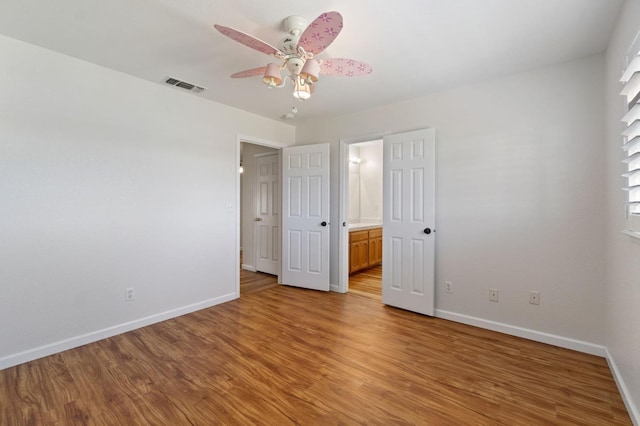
321,32
249,73
247,40
345,67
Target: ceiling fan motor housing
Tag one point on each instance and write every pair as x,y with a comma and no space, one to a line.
289,45
294,65
294,24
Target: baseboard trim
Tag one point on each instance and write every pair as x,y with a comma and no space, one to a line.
74,342
249,267
551,339
632,409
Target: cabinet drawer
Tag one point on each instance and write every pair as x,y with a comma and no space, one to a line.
358,236
375,233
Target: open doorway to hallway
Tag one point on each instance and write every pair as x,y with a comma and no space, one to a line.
364,213
259,217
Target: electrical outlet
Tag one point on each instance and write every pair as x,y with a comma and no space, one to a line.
448,286
534,297
494,295
129,294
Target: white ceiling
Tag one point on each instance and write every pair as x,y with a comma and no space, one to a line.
415,46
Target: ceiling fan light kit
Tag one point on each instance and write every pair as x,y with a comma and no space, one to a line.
301,90
272,76
310,71
297,52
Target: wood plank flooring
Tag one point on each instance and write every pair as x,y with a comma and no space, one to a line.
367,283
254,282
288,356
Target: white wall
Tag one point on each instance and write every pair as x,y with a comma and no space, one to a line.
519,195
365,183
109,182
353,209
371,182
623,252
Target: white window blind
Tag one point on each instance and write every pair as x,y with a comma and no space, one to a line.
631,138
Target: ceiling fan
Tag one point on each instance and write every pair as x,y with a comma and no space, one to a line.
297,52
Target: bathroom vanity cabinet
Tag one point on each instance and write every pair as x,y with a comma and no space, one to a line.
365,248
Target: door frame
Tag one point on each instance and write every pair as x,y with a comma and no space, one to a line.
240,138
343,188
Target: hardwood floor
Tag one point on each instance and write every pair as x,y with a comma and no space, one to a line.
292,356
367,283
254,282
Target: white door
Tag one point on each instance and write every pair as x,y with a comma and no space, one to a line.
409,221
267,220
305,216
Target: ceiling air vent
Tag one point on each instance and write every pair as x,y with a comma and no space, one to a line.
184,85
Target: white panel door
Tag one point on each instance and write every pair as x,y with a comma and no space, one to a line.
267,219
409,221
305,216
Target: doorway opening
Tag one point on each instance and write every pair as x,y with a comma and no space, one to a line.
408,224
364,192
259,221
299,204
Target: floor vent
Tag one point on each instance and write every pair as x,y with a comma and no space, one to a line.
184,85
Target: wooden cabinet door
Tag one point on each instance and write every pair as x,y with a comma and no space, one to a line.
359,255
358,250
375,251
375,246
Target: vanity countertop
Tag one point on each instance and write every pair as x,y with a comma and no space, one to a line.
363,226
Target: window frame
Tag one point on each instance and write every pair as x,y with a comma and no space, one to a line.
630,80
